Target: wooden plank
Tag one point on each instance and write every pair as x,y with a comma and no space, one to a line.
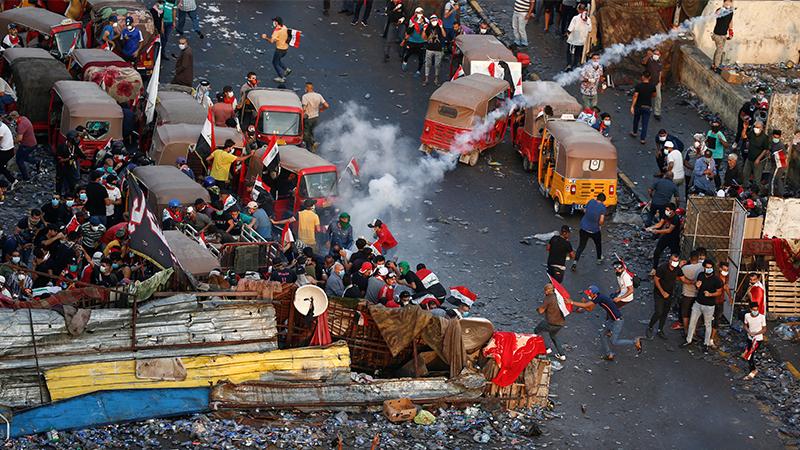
310,363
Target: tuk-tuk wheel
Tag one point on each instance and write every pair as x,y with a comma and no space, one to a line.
526,164
558,208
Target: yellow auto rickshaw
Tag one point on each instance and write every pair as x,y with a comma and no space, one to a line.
576,163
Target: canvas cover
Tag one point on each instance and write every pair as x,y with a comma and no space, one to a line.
782,219
87,56
539,94
163,183
33,80
457,103
37,19
579,142
124,84
179,107
13,54
476,47
83,102
173,140
273,97
295,159
192,257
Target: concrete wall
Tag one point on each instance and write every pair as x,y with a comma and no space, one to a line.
691,68
764,31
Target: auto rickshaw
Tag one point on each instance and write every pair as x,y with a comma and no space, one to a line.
100,10
480,53
303,175
193,257
33,78
274,112
576,163
456,108
13,54
56,6
161,184
83,103
175,139
39,27
528,134
109,71
178,107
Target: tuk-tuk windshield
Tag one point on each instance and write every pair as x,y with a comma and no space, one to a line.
279,123
318,185
65,39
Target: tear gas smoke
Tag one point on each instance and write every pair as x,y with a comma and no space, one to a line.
398,175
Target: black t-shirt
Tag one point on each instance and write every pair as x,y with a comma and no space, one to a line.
667,277
709,283
645,91
411,277
722,24
434,42
283,275
220,220
55,214
675,234
96,196
560,248
654,69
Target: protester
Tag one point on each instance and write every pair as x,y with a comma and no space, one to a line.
434,36
414,41
340,232
642,105
184,65
222,159
6,153
553,319
723,31
592,221
758,152
716,141
188,8
132,40
705,170
279,37
523,11
664,279
578,30
708,288
654,66
367,6
591,78
313,104
719,306
688,278
558,250
394,31
27,143
385,243
733,172
624,294
755,324
11,40
308,224
450,15
668,230
612,328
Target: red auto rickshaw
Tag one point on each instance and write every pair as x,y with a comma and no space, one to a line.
274,112
39,27
56,6
100,10
527,133
457,107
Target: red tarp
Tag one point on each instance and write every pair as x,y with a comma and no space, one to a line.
786,259
513,352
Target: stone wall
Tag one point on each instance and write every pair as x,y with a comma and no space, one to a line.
764,32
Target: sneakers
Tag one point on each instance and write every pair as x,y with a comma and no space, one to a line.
200,34
354,23
287,72
662,335
638,344
685,344
279,80
652,272
705,349
649,333
600,261
560,357
363,23
751,375
417,74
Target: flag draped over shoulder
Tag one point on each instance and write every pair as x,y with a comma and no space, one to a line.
561,296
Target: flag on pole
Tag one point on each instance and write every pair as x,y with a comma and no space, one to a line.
353,168
74,44
271,152
260,187
459,73
206,143
152,86
561,296
294,38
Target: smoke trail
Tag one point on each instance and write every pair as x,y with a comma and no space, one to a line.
399,175
616,52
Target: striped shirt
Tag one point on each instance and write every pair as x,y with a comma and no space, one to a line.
522,6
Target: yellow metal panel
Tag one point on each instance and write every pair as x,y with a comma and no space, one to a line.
70,381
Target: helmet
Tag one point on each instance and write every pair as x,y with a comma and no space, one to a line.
209,181
180,160
174,203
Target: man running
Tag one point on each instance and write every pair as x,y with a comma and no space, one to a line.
612,328
558,249
553,319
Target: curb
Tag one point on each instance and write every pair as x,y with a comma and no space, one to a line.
793,370
479,10
631,185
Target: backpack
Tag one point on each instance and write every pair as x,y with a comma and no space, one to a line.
635,278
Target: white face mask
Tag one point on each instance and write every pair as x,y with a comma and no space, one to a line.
21,277
15,259
607,123
655,57
776,140
182,46
434,22
724,273
130,27
483,30
754,313
757,131
595,64
666,151
674,263
696,144
709,270
274,24
662,138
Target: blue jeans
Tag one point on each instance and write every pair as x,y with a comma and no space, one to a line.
24,154
615,326
277,62
641,113
168,26
182,20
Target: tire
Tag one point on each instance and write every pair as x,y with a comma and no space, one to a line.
558,208
526,164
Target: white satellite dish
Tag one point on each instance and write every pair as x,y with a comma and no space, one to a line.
308,297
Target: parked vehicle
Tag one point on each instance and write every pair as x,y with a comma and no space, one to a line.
33,78
178,107
164,183
39,27
83,103
109,71
274,112
178,139
456,108
56,6
480,53
98,11
527,133
576,163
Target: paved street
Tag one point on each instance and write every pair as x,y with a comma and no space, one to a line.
666,398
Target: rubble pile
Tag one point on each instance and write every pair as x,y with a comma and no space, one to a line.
452,428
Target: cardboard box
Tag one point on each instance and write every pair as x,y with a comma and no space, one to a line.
734,77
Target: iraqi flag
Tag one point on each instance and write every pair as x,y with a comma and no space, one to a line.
463,294
286,237
353,168
260,188
206,143
459,73
72,225
561,296
780,159
294,38
152,90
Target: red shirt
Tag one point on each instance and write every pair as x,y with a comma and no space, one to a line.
25,129
385,239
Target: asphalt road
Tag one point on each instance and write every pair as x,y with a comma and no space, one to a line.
666,398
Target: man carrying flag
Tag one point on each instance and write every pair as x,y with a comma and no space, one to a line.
353,168
555,311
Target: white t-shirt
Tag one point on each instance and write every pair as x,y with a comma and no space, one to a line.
311,102
114,194
578,31
624,280
758,322
676,158
6,138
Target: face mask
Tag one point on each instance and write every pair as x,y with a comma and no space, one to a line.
73,268
434,22
666,151
115,24
607,123
696,145
340,273
668,213
70,203
655,57
465,314
662,138
709,270
700,261
95,227
483,31
15,259
34,221
54,202
674,263
584,15
21,277
757,131
754,313
595,64
724,273
274,24
105,269
229,94
115,266
776,140
83,197
130,27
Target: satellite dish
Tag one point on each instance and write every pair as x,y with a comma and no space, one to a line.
310,300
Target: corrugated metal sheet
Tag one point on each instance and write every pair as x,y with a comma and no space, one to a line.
169,327
304,363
